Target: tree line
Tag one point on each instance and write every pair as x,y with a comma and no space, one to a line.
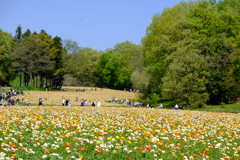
190,54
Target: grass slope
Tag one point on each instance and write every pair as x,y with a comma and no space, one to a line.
54,98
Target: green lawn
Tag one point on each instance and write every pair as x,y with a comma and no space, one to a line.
33,89
5,89
229,108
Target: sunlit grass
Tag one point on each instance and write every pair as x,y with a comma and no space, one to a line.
227,108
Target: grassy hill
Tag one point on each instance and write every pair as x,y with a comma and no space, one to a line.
54,98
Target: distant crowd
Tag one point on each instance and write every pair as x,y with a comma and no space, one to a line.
9,97
11,101
67,102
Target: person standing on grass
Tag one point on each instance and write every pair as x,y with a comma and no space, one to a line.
98,103
40,102
66,102
63,101
17,100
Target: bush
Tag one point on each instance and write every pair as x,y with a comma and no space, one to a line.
154,98
196,100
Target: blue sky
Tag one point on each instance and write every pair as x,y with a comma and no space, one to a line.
98,24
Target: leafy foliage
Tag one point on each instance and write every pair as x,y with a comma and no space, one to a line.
182,40
6,47
116,66
33,54
185,78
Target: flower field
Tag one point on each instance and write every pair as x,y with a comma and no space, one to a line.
106,133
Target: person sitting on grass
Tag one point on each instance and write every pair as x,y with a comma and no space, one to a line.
148,105
85,103
17,100
27,103
160,106
82,102
176,106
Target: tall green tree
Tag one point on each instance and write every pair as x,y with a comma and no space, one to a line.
100,67
185,78
235,71
81,65
58,59
26,33
6,47
18,35
215,25
167,32
208,27
140,79
31,56
116,66
71,46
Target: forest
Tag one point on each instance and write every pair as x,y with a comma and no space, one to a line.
190,54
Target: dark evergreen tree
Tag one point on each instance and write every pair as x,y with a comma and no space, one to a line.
33,55
26,34
18,35
57,78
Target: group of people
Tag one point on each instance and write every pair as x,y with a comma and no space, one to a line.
66,102
177,107
9,97
160,106
85,89
82,102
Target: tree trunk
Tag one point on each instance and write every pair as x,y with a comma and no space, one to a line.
37,81
31,83
20,80
25,79
41,81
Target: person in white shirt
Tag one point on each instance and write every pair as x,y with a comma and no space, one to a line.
98,103
176,106
63,102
